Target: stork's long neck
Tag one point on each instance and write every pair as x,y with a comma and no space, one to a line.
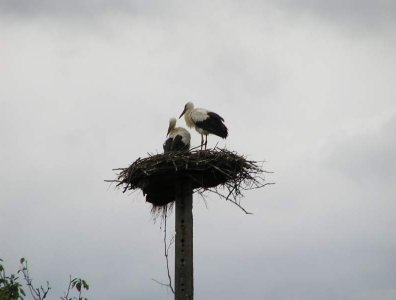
188,118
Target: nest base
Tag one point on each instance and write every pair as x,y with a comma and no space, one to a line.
158,175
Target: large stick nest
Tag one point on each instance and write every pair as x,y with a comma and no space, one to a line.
157,175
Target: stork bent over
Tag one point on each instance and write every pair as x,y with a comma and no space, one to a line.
178,138
205,122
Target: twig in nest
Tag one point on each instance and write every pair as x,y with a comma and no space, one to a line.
208,170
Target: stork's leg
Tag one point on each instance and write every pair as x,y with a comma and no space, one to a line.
202,141
206,140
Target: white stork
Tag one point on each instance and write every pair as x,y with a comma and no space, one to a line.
178,138
205,122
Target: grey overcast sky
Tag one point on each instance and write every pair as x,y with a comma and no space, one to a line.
307,86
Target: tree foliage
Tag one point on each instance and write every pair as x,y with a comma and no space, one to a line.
12,286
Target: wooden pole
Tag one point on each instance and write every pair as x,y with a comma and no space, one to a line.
184,277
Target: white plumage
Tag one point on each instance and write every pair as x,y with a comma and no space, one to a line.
178,138
204,121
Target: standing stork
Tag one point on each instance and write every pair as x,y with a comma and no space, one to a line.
205,122
178,138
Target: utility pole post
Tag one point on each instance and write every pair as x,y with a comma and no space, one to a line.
184,273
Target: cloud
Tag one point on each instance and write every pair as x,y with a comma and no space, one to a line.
365,13
76,103
362,11
81,8
368,156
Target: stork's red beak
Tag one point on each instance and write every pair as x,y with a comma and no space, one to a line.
185,108
169,129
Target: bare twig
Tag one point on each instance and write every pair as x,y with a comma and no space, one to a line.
240,206
166,253
66,297
37,293
232,201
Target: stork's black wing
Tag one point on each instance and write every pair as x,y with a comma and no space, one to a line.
175,144
216,116
168,145
178,144
214,125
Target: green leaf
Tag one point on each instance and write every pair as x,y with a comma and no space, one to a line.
22,292
85,285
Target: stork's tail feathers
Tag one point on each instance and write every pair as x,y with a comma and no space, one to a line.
221,131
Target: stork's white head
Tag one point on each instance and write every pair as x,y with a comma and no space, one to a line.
172,125
188,106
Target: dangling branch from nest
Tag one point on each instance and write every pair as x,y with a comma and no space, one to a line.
166,254
220,171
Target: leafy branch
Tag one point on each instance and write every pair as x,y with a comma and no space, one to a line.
12,289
